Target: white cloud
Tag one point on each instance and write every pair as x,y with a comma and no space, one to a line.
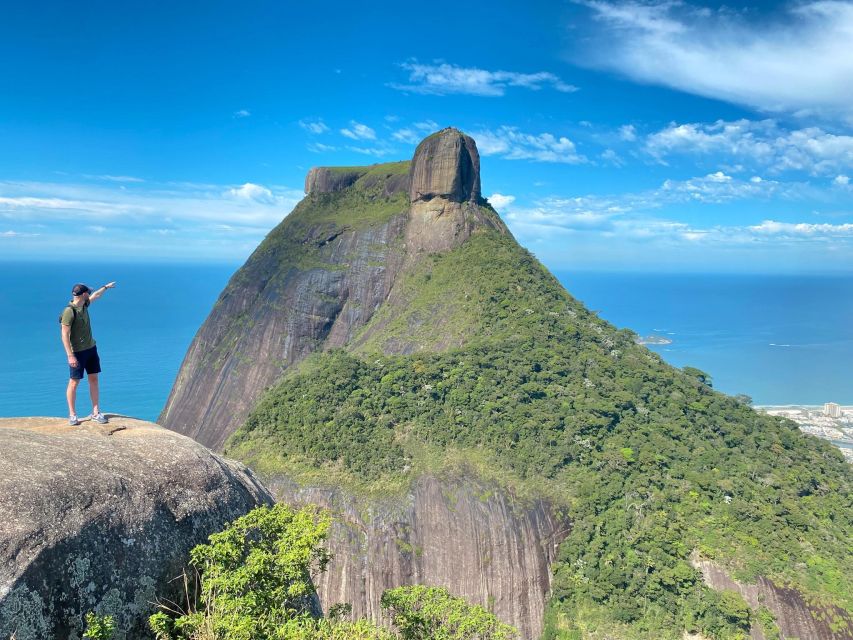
250,191
97,228
409,136
500,201
802,229
611,157
442,79
841,180
414,133
427,126
718,187
512,144
629,213
628,132
17,234
358,131
314,126
796,61
763,143
12,205
371,151
242,113
110,178
182,204
319,147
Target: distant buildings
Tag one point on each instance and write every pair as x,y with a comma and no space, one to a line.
831,422
832,410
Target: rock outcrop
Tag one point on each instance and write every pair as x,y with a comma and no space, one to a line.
795,617
329,180
445,193
471,537
101,518
335,179
445,165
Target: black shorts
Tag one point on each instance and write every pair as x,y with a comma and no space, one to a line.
87,359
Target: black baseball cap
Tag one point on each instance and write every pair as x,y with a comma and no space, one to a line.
80,289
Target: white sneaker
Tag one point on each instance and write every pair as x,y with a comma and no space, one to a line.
100,418
73,421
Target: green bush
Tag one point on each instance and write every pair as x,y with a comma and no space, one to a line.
99,627
432,613
255,579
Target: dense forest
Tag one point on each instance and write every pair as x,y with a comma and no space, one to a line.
526,387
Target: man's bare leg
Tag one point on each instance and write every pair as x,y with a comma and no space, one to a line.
71,395
94,393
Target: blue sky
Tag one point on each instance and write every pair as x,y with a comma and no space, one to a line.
664,136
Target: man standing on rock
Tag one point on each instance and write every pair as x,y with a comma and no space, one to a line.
80,348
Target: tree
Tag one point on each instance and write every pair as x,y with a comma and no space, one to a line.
255,577
700,375
744,399
432,613
255,584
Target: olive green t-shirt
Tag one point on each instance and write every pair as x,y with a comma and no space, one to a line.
81,328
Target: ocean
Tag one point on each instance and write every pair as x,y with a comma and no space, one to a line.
779,339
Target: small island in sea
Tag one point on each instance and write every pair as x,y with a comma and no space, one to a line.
652,339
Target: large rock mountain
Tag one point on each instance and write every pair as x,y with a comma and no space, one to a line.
321,275
102,518
390,352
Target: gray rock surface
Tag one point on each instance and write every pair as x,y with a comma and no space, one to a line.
795,617
468,536
273,314
101,517
334,179
329,180
446,164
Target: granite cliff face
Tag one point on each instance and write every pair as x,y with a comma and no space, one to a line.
460,533
317,278
444,189
795,617
445,165
102,518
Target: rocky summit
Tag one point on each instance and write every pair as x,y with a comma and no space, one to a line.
102,518
390,352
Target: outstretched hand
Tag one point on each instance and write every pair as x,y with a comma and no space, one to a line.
109,285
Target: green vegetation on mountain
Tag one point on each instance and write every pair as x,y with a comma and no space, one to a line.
298,240
649,461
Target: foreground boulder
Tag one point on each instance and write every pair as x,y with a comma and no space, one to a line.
101,518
